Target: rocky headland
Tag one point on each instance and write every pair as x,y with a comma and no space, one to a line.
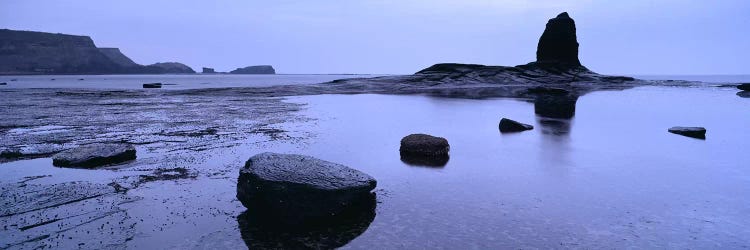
258,69
30,52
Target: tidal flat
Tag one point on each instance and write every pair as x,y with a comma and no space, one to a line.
609,176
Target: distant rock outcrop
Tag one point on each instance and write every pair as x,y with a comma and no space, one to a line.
208,71
30,52
171,68
557,74
558,43
259,69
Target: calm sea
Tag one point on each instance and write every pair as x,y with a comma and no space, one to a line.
224,81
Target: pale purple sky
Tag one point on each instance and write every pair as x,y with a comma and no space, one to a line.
399,36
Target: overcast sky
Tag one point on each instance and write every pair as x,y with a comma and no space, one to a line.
400,36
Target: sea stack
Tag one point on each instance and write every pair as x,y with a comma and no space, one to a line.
558,43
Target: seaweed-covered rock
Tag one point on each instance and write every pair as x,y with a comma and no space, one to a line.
508,125
300,188
694,132
94,155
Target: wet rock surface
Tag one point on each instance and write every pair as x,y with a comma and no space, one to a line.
694,132
297,188
95,155
424,150
424,145
744,86
509,126
744,94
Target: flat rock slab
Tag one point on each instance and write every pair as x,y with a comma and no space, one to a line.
299,187
508,126
152,85
94,155
744,86
694,132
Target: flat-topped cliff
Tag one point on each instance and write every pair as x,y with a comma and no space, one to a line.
31,52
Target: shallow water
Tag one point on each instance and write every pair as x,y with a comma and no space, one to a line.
609,177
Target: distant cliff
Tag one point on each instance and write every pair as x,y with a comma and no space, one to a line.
259,69
171,68
30,52
118,57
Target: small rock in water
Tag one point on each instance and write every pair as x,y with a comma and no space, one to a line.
424,145
155,85
3,83
424,150
94,155
744,86
694,132
508,125
299,188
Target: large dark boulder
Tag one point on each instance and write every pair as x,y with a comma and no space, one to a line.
558,43
694,132
744,86
508,126
297,188
259,69
94,155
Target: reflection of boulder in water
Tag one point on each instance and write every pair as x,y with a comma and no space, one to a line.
744,94
265,230
555,126
555,106
425,161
